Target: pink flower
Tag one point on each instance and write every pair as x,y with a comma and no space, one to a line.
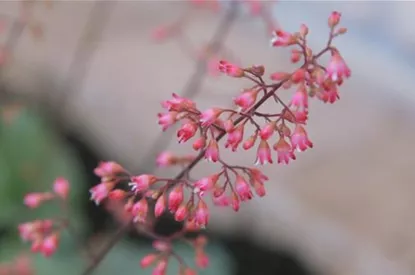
235,202
61,187
199,143
49,245
259,188
209,116
108,169
34,200
243,189
230,69
246,99
329,94
250,142
142,183
100,192
202,213
268,130
167,119
298,76
207,183
181,213
334,19
178,104
263,153
148,260
221,199
258,175
212,66
176,197
284,150
212,151
202,260
166,159
282,38
161,267
299,139
279,76
300,98
337,67
235,137
160,206
140,210
186,132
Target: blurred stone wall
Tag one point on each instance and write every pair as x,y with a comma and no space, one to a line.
345,206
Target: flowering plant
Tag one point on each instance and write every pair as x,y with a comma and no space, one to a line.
146,197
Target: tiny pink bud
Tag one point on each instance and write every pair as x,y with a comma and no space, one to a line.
199,144
235,202
212,151
298,76
279,76
108,169
165,159
202,260
160,206
268,130
148,260
295,56
334,19
140,210
300,98
202,213
49,245
246,99
250,142
303,30
34,200
61,187
243,189
160,268
181,213
176,197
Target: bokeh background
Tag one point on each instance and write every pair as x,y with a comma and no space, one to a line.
83,83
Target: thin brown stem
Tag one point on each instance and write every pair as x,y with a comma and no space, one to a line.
195,82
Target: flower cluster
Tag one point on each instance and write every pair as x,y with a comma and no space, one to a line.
148,196
44,234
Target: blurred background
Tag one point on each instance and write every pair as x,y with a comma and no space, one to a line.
82,81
